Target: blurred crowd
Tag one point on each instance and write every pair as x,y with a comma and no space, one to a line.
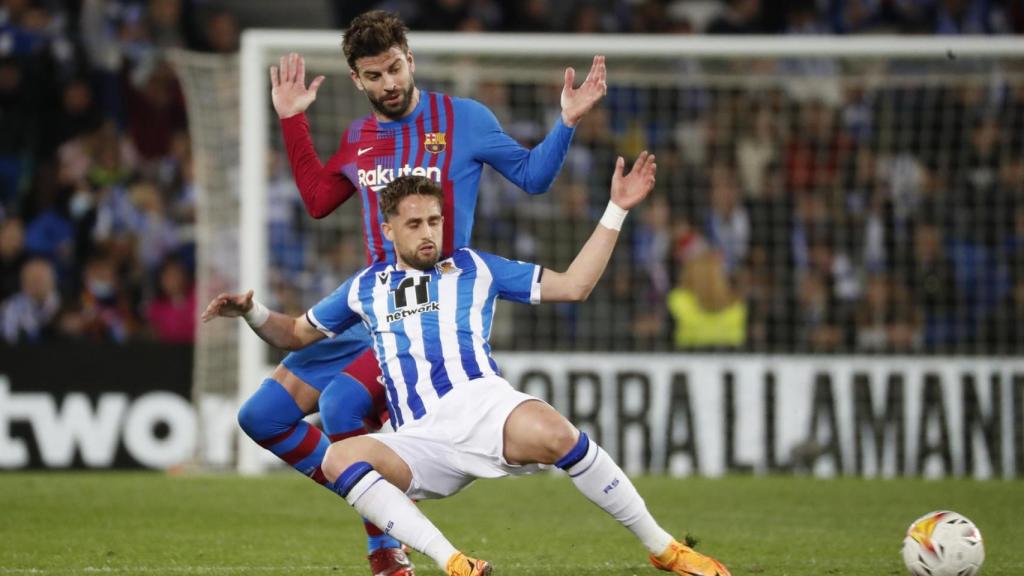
703,16
850,214
97,198
814,233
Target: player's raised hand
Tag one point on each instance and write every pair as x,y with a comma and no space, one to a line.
288,86
228,306
577,102
628,190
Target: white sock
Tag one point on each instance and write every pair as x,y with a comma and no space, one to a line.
382,503
601,480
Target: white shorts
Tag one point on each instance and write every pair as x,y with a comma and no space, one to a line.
460,440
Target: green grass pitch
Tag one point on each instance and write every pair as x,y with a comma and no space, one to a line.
150,524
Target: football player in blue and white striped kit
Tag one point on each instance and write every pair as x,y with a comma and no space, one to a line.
456,419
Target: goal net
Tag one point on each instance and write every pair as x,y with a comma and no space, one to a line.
814,195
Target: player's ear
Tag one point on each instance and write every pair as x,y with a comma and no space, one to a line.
412,62
355,80
385,227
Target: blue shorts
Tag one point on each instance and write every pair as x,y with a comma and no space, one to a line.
318,364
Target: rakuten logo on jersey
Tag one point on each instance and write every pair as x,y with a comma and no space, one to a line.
381,176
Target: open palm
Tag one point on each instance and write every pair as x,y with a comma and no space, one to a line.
228,306
628,190
288,86
578,101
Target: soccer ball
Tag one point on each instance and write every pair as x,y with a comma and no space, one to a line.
943,544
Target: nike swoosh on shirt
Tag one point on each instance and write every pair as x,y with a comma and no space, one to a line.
362,151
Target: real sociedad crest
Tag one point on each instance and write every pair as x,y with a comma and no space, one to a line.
434,142
447,267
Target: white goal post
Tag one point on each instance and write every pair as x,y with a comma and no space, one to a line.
261,48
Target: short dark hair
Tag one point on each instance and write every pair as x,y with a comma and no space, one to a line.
404,186
373,33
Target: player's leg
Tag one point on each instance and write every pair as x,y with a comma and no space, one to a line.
273,418
350,406
374,479
536,432
273,415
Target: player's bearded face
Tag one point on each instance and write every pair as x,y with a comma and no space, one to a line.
388,82
395,105
417,232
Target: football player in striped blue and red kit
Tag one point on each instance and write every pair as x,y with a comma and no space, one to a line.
457,419
408,131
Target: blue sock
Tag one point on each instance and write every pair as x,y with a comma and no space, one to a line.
272,418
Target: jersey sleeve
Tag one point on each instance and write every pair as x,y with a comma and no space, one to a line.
514,280
534,169
323,188
333,315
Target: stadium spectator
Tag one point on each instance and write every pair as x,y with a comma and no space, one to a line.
172,314
165,23
815,322
815,148
803,17
447,15
728,225
887,319
50,235
106,313
738,17
652,242
78,114
707,311
930,275
880,16
533,16
15,125
156,236
969,17
12,256
155,110
220,32
29,315
756,150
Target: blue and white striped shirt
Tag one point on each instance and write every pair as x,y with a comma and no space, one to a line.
430,330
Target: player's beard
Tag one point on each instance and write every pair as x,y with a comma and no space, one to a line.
414,259
397,110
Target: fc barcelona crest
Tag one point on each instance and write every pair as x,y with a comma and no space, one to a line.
434,142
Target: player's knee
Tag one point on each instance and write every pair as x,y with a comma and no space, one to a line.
249,417
268,412
338,458
344,404
560,438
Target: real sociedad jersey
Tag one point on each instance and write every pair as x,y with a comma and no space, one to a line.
430,330
448,140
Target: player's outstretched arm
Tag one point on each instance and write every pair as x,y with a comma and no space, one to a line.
576,102
288,89
535,169
576,283
323,188
278,330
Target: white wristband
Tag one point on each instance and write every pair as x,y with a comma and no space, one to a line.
613,216
257,315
